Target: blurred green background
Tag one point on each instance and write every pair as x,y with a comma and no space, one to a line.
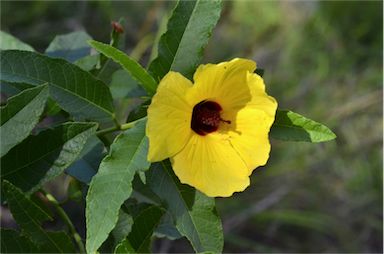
322,59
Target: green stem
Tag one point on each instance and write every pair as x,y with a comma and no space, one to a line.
63,215
119,127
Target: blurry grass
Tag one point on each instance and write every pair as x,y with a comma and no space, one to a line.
324,60
321,59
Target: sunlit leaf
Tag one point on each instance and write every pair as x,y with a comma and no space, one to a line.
129,64
8,41
29,217
194,214
111,186
71,46
75,90
291,126
20,115
40,158
181,46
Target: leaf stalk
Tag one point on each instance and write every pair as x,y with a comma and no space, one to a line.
63,215
122,127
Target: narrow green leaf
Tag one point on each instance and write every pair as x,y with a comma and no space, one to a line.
20,115
181,46
291,126
8,41
13,242
75,90
29,217
71,46
40,158
124,247
129,64
194,214
112,184
144,223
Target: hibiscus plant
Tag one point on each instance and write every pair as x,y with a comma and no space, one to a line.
192,132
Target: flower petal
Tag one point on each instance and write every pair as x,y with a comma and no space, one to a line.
211,165
260,99
169,117
249,136
224,83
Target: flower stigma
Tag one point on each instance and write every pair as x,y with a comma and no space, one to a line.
206,117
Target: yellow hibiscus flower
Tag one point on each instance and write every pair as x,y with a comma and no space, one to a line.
214,131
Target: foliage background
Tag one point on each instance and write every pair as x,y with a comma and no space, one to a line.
321,59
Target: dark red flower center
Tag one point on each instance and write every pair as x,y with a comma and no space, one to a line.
206,117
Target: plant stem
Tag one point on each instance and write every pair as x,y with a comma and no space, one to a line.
63,215
119,127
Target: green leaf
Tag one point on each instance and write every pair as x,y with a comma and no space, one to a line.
123,226
142,193
129,64
87,63
29,217
194,214
11,89
8,41
75,90
139,112
111,186
162,28
71,46
88,161
166,228
13,242
122,85
181,46
291,126
144,223
20,115
40,158
124,247
61,242
27,213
